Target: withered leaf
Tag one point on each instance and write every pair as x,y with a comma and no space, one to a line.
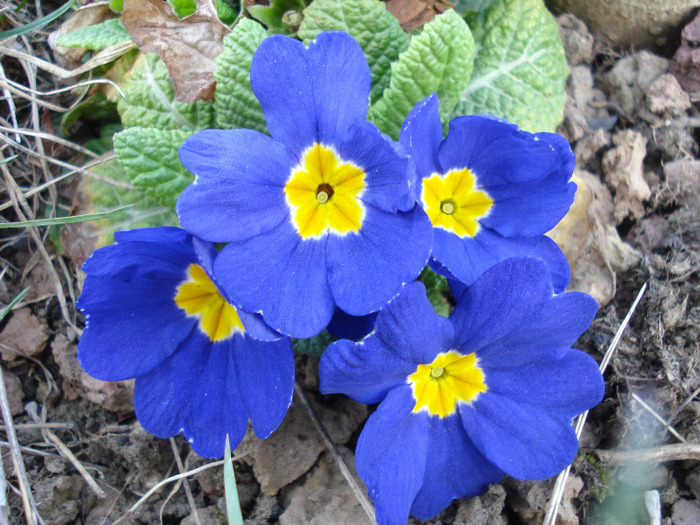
188,46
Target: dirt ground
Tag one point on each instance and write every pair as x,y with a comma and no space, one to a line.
636,220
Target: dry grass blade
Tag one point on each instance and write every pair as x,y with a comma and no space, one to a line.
662,454
656,416
560,483
188,490
344,470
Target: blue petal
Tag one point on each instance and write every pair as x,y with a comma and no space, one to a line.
467,258
132,321
280,276
195,391
421,135
346,326
455,468
510,316
565,387
386,170
524,441
366,269
310,94
391,456
238,190
265,378
527,175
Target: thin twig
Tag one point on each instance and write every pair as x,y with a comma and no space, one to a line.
662,454
30,513
344,470
560,483
186,483
66,452
667,424
28,426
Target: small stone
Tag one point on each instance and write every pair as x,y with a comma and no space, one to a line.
683,180
578,42
685,512
648,233
115,396
25,333
486,509
630,78
15,395
623,166
686,60
666,97
59,498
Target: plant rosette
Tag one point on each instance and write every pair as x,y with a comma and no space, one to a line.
491,390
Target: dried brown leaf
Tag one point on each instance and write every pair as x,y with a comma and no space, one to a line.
188,46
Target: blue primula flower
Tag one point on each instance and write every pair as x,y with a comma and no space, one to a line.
491,390
320,214
490,189
154,312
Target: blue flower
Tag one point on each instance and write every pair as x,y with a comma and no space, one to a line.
490,189
153,312
320,214
491,390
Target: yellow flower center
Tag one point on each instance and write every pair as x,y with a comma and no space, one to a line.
199,297
453,202
452,377
324,192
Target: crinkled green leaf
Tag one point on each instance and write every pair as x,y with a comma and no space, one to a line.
235,105
95,108
103,196
98,36
227,14
520,67
439,60
183,8
314,346
375,29
276,16
150,159
437,290
150,100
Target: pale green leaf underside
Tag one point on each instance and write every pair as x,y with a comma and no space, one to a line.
98,36
520,68
439,60
378,32
144,212
150,159
235,105
150,100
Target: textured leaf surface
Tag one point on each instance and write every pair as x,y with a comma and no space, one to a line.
462,6
519,68
276,16
150,159
314,346
439,60
437,290
150,100
97,37
375,29
235,105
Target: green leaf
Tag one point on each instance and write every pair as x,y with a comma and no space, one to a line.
462,6
520,67
227,14
98,36
150,100
150,159
314,346
116,5
278,16
95,108
439,60
183,8
235,105
9,307
437,290
375,29
103,196
65,220
40,22
233,505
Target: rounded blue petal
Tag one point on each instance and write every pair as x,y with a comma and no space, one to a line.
238,189
467,259
310,94
455,469
280,276
265,379
366,269
132,321
510,315
195,391
391,456
386,169
421,135
528,176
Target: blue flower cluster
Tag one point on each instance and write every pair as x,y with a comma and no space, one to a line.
327,223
